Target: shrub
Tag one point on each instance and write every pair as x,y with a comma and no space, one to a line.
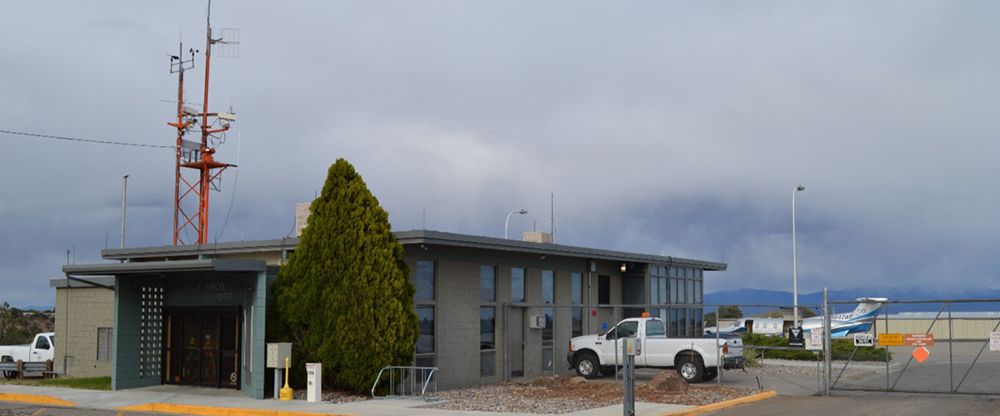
344,298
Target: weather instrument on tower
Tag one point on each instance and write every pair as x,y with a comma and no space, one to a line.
197,172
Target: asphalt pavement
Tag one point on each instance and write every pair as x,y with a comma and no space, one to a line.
881,404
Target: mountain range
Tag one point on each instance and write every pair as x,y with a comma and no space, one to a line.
814,300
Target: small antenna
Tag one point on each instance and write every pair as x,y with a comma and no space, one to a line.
552,216
424,223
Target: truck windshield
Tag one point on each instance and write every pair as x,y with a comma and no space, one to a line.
655,328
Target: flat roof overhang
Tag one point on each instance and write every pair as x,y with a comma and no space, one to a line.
411,238
162,267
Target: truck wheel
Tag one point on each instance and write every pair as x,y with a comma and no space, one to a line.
710,374
690,368
587,365
608,371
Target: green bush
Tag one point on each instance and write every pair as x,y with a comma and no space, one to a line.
344,298
842,349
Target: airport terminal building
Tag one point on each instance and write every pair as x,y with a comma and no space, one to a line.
196,314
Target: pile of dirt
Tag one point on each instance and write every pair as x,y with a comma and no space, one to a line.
665,381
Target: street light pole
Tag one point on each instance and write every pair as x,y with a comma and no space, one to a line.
795,265
507,223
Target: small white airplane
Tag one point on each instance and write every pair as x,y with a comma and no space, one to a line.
842,324
855,322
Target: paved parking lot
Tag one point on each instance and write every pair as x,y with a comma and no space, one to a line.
882,404
15,409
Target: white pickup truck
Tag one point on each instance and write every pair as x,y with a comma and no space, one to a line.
41,349
696,359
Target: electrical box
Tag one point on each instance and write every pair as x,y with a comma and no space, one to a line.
536,322
314,377
633,346
277,352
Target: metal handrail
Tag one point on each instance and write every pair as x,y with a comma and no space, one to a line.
427,372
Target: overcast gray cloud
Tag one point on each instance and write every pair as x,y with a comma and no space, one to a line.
661,127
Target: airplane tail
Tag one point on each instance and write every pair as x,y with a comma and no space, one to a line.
868,308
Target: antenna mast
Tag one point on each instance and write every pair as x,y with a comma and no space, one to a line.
197,156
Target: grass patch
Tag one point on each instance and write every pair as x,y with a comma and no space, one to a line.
89,383
842,349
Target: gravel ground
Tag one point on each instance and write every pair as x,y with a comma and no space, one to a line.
571,395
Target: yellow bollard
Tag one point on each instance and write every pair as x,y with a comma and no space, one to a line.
286,392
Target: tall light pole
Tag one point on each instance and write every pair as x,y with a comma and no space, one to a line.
124,192
795,263
507,223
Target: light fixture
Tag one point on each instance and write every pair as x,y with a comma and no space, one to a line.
624,267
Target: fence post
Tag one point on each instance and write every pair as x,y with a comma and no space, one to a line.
718,347
827,336
951,360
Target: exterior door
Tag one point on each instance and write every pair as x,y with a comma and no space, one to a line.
202,348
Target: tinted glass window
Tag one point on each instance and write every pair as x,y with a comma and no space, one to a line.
42,344
547,290
517,285
604,290
425,320
487,284
576,281
655,328
424,281
487,328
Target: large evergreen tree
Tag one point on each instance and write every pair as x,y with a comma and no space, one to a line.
344,297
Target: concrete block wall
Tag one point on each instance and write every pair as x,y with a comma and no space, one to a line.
457,323
80,311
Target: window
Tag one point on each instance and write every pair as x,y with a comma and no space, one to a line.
42,343
487,328
655,328
673,291
697,292
424,281
487,321
603,290
517,285
624,330
548,295
487,341
576,287
689,285
425,319
487,284
105,336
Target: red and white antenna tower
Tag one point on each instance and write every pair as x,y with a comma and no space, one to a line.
198,156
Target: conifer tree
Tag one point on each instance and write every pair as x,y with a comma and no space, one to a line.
344,297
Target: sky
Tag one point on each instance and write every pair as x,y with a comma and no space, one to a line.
677,128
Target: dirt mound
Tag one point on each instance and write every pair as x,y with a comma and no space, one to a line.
666,381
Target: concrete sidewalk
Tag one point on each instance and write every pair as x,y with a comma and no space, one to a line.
205,401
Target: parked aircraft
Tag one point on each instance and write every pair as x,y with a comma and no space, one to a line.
842,324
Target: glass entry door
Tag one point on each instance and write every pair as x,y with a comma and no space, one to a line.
202,348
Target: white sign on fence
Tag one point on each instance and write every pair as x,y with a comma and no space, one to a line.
815,340
864,340
995,341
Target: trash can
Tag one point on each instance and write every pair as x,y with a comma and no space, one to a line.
314,377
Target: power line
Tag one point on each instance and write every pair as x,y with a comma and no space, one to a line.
78,139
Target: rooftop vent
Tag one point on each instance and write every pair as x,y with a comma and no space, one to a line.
537,237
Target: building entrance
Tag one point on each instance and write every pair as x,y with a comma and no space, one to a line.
202,347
